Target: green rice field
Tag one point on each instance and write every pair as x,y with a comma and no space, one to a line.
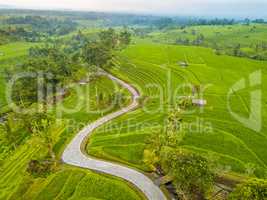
154,70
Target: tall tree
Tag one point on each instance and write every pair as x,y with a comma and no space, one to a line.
109,38
125,38
192,174
41,125
97,54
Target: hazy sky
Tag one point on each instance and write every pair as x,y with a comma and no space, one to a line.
242,8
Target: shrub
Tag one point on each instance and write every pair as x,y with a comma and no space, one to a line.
193,177
40,168
255,189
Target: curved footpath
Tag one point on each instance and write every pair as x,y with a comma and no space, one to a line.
73,154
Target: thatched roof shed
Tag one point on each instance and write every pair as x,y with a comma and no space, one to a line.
183,64
199,102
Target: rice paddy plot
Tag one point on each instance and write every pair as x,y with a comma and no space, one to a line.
231,141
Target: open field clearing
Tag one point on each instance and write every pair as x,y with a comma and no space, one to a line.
251,38
14,50
228,34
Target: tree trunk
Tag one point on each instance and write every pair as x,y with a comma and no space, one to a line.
51,152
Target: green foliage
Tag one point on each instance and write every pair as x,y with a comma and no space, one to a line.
48,65
100,52
40,168
255,189
109,38
171,136
15,165
193,177
14,50
129,153
40,124
16,162
103,188
233,39
39,129
77,184
13,131
151,159
142,65
173,131
35,28
118,99
96,54
210,129
125,38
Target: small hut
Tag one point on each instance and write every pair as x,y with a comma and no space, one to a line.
199,102
183,64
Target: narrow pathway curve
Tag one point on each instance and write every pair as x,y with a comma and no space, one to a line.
73,154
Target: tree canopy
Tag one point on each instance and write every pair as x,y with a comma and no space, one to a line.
255,189
192,174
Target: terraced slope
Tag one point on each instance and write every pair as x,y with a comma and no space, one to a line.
74,184
74,155
67,182
155,71
13,170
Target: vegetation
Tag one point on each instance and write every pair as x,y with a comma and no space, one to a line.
33,28
31,143
173,62
192,174
75,184
239,39
233,145
56,68
253,189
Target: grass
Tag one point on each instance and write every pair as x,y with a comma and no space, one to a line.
10,54
13,170
74,184
153,69
83,105
14,50
3,102
222,37
86,106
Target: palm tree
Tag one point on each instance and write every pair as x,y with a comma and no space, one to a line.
42,127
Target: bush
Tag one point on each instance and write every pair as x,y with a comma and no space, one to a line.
193,177
40,168
255,189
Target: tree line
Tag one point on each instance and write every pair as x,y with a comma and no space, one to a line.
34,28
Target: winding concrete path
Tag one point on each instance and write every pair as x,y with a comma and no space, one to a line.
73,154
